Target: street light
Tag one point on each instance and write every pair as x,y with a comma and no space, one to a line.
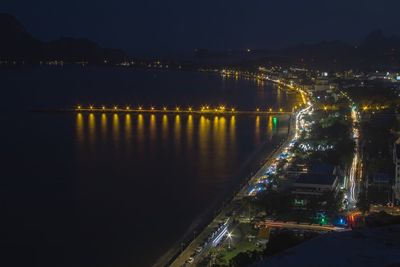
229,240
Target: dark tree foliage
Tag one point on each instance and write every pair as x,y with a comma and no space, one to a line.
278,242
275,202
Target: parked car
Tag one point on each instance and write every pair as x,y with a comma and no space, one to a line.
190,260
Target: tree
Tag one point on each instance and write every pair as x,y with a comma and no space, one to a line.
244,259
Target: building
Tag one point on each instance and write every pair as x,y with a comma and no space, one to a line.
316,180
315,184
381,179
396,160
321,84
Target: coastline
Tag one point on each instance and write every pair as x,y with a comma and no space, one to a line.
180,258
176,255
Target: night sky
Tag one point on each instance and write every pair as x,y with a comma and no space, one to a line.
169,26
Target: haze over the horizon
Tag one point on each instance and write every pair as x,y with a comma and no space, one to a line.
164,27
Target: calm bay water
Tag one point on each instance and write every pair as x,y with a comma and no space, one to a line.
117,189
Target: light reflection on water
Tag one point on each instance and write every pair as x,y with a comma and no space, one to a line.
140,132
257,130
189,132
153,132
212,140
270,128
103,127
164,134
115,130
80,131
128,132
92,130
232,134
220,139
177,132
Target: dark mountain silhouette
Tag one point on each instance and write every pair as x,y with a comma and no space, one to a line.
375,51
19,45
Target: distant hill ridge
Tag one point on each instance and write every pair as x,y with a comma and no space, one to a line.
17,44
376,50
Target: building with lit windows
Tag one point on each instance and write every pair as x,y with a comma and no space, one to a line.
321,84
396,159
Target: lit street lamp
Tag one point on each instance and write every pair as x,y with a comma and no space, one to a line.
229,240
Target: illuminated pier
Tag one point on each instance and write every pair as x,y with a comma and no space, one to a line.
221,110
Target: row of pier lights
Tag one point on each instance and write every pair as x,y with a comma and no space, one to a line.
204,109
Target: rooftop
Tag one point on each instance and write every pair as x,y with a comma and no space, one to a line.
322,168
381,178
316,178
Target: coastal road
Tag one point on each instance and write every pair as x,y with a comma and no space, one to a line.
213,234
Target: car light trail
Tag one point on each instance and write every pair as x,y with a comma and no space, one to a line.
355,163
218,238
